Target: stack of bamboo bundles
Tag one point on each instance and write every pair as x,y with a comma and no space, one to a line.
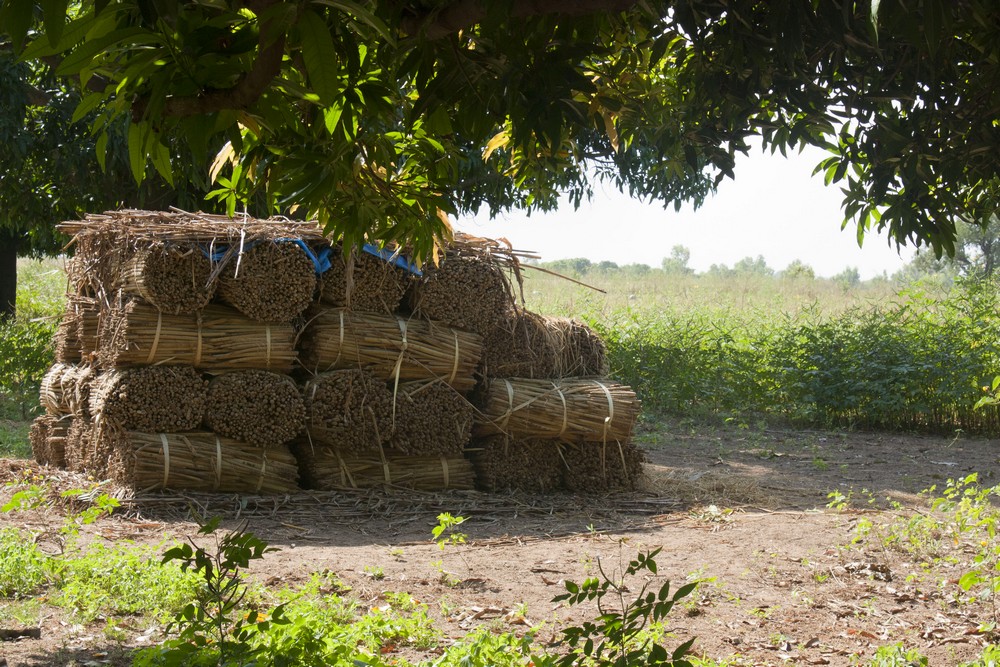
195,348
147,306
389,346
177,261
526,428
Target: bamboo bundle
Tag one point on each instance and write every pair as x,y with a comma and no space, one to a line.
470,292
94,267
76,338
568,409
257,407
327,469
270,282
363,282
200,462
38,436
523,464
175,278
349,409
217,338
583,352
170,399
600,466
47,436
65,389
58,434
431,418
524,344
81,454
390,347
66,342
520,345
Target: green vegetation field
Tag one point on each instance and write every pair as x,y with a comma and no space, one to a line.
796,350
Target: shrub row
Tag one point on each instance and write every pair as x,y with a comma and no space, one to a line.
914,364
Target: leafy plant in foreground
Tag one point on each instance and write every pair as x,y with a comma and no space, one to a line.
615,638
216,629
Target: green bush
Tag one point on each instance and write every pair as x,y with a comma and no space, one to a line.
25,355
918,364
24,569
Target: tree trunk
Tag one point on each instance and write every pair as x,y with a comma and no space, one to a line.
8,275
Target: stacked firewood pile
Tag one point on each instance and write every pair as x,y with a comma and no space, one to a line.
204,353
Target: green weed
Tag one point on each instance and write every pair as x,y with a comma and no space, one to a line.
24,569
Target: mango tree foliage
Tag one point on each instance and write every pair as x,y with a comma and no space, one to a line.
383,117
49,171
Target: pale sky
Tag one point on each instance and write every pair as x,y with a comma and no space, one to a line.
774,208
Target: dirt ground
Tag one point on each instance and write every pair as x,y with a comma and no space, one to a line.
742,510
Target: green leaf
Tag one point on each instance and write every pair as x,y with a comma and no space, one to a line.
361,12
54,15
320,56
16,17
137,151
161,160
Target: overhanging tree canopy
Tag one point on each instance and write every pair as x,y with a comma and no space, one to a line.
382,116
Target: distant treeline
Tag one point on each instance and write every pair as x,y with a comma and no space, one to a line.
677,265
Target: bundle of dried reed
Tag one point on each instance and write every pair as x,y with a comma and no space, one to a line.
468,292
47,436
390,347
217,338
601,466
363,282
175,278
66,342
431,418
582,353
327,469
76,339
65,389
566,409
520,345
503,463
81,453
200,461
257,407
348,409
170,399
527,345
269,282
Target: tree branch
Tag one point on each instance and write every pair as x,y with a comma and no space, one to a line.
466,13
246,91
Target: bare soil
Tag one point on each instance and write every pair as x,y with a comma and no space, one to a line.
743,510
